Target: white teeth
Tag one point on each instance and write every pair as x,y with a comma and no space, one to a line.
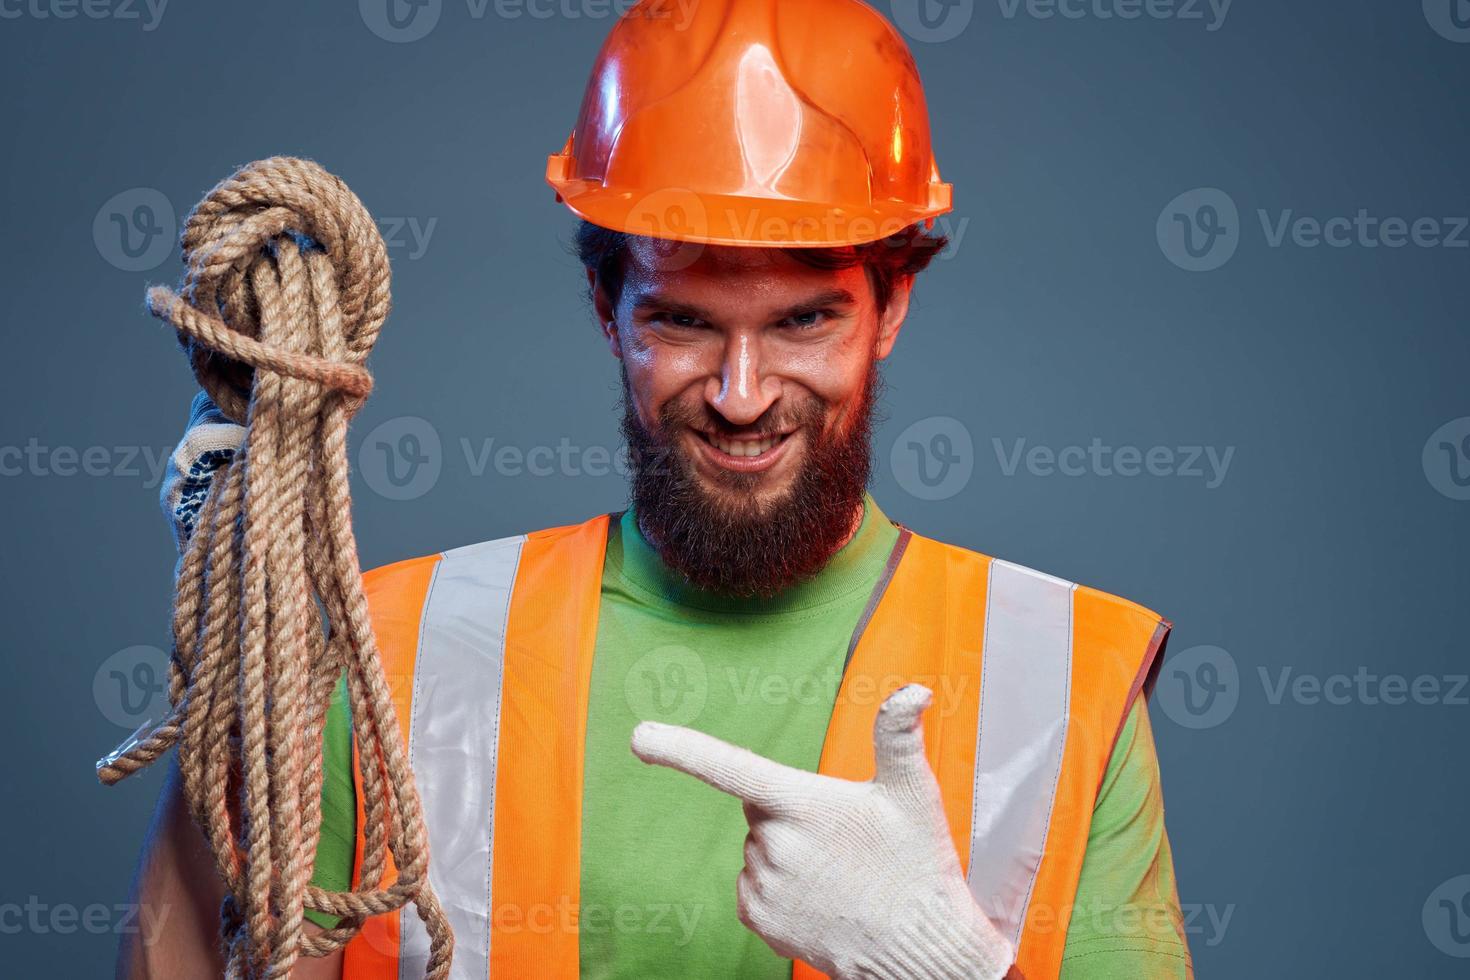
742,447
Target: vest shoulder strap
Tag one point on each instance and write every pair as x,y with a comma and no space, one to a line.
1062,663
1032,677
1113,641
462,634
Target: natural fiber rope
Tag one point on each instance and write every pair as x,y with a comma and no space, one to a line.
277,326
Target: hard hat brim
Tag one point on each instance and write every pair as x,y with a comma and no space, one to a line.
679,214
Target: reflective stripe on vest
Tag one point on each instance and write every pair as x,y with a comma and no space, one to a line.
1024,680
453,743
489,650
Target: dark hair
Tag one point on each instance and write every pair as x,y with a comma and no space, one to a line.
902,254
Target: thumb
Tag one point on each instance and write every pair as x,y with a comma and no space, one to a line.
898,741
729,769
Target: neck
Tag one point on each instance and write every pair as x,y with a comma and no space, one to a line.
857,522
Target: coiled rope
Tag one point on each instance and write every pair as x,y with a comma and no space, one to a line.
287,286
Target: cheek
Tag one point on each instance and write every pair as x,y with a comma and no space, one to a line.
836,373
660,373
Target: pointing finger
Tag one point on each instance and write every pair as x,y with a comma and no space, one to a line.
729,769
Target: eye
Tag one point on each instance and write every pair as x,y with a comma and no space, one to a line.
683,320
807,319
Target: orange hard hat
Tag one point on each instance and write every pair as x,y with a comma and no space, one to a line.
752,122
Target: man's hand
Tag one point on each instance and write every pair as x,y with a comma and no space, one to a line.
857,879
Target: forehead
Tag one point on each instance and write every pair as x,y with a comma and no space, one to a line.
743,276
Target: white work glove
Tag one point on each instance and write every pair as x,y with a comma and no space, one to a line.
209,442
857,879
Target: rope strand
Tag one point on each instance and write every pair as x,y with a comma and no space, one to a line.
287,286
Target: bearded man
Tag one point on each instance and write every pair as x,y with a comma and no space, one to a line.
752,618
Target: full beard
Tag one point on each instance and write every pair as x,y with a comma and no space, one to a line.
728,540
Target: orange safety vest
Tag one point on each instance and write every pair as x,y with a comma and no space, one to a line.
488,650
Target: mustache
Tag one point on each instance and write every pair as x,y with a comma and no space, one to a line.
772,424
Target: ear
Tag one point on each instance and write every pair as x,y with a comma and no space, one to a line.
607,321
893,316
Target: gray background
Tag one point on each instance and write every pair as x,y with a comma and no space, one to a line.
1335,544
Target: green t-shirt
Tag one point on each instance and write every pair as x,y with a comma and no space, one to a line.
335,849
661,851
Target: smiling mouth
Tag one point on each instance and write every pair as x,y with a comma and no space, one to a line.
745,447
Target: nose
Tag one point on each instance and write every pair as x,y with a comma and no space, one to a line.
743,390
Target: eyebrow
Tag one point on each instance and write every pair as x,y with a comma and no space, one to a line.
829,297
